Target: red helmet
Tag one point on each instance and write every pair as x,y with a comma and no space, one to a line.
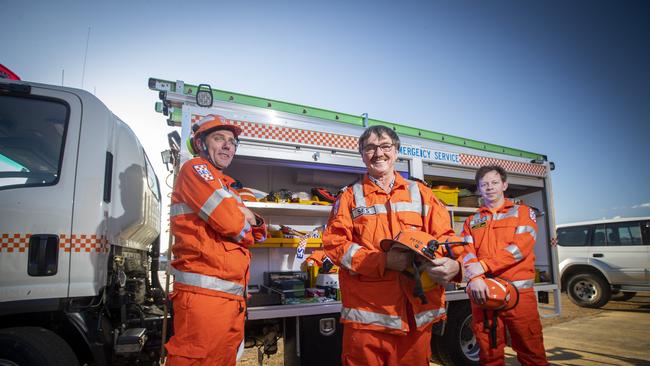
210,123
502,295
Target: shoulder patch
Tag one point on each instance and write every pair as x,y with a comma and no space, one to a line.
532,214
203,171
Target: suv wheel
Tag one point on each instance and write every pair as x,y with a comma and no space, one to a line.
588,290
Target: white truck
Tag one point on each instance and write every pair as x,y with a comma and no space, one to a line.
79,233
292,147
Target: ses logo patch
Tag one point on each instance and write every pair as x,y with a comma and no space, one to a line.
203,171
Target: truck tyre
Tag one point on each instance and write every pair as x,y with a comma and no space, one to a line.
34,346
457,346
589,290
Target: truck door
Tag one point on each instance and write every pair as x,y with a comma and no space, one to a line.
39,131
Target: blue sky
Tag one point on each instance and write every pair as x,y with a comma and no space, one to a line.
568,79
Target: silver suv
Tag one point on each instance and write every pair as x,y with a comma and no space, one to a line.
602,258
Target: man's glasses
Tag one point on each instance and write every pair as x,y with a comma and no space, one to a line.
221,138
370,149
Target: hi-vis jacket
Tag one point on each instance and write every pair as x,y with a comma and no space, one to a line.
375,298
212,234
503,242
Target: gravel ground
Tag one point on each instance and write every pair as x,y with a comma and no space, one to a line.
640,303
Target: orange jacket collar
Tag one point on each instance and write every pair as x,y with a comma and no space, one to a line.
507,204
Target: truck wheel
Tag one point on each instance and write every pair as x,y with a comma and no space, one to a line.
457,346
588,290
34,346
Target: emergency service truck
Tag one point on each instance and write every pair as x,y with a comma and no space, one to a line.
79,229
287,150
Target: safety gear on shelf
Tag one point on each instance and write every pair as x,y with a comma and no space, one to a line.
323,194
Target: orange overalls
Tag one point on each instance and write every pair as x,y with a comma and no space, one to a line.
502,245
210,266
384,323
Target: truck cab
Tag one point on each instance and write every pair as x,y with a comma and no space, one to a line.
80,208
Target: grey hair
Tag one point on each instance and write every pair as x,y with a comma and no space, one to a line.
378,130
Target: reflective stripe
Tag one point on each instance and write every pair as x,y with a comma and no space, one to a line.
415,205
428,316
416,198
407,207
208,282
359,200
524,283
213,202
370,318
180,209
526,229
514,250
346,261
468,239
469,257
512,212
425,211
244,231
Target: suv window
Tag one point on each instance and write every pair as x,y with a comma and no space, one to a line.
573,236
32,132
625,233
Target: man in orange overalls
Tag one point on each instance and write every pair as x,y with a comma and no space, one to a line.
502,236
213,230
384,322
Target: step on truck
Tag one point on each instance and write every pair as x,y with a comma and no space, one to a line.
288,148
79,233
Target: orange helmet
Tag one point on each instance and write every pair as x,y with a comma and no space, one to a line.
208,124
420,242
246,195
502,295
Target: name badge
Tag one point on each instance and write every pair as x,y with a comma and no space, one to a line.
361,211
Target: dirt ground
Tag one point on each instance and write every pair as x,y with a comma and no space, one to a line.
638,304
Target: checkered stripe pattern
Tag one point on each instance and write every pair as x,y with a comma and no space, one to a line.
295,135
12,243
83,243
509,166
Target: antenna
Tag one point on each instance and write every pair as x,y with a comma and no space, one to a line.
62,76
83,72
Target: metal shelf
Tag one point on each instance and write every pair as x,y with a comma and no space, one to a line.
290,209
464,211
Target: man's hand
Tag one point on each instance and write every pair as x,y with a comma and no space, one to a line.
478,291
398,259
249,215
442,270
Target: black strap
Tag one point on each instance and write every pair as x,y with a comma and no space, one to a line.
493,331
418,291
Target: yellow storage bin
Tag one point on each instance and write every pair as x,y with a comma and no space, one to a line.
448,196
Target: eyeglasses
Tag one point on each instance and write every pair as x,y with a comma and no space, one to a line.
220,138
370,149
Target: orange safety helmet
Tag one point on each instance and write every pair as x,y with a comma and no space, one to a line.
207,124
502,295
246,195
420,242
